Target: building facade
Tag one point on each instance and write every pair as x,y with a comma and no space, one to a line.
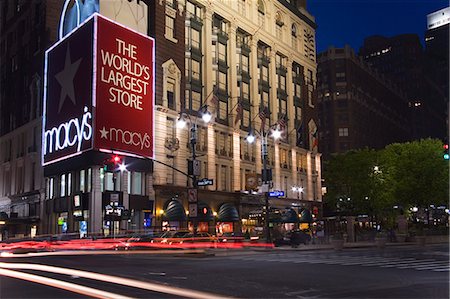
437,53
403,61
236,57
358,107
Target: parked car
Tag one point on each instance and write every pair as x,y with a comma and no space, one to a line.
231,237
172,236
138,242
293,238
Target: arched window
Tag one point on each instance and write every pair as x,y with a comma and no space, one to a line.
279,26
294,36
261,12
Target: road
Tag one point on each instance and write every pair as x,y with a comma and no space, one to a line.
395,272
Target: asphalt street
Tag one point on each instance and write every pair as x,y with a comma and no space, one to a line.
395,272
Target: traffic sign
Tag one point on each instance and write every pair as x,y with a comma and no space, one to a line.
276,193
205,182
192,195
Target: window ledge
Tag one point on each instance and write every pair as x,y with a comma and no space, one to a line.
174,40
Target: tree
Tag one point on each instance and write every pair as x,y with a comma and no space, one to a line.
353,187
417,173
373,182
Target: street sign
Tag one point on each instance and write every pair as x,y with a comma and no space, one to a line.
196,167
205,182
192,195
276,193
192,210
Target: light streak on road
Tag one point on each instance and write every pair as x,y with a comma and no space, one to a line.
102,252
128,243
185,293
68,286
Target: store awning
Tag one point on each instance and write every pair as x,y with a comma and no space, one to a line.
305,216
204,212
174,211
228,213
274,216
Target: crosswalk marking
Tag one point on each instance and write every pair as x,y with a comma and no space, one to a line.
364,261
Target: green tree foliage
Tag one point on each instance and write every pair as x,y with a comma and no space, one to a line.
405,174
418,173
350,182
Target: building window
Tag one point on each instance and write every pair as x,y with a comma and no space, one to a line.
171,94
51,188
223,107
170,3
63,185
137,182
69,184
246,118
82,180
279,32
264,70
282,106
343,132
310,84
244,63
223,177
196,100
281,82
222,81
111,181
241,7
20,178
195,39
222,52
33,176
261,13
7,182
170,27
195,70
340,76
294,37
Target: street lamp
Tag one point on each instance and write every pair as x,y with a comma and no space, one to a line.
298,190
184,119
276,134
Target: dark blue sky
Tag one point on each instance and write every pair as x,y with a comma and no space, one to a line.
343,22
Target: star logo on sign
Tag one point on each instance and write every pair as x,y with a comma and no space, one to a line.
65,79
104,133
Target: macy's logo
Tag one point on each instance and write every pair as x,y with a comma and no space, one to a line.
126,137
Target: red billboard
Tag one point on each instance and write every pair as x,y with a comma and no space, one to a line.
124,90
99,92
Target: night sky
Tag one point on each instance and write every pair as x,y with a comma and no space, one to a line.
343,22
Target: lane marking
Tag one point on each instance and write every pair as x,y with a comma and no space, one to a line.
68,286
186,293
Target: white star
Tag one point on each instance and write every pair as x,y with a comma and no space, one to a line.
65,79
104,133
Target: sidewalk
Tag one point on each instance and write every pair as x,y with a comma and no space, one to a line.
365,244
313,247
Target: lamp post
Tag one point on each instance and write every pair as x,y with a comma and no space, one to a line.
183,119
276,134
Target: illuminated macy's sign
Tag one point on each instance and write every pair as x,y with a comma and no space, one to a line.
73,132
127,137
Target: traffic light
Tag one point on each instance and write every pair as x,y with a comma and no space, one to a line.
112,164
446,154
